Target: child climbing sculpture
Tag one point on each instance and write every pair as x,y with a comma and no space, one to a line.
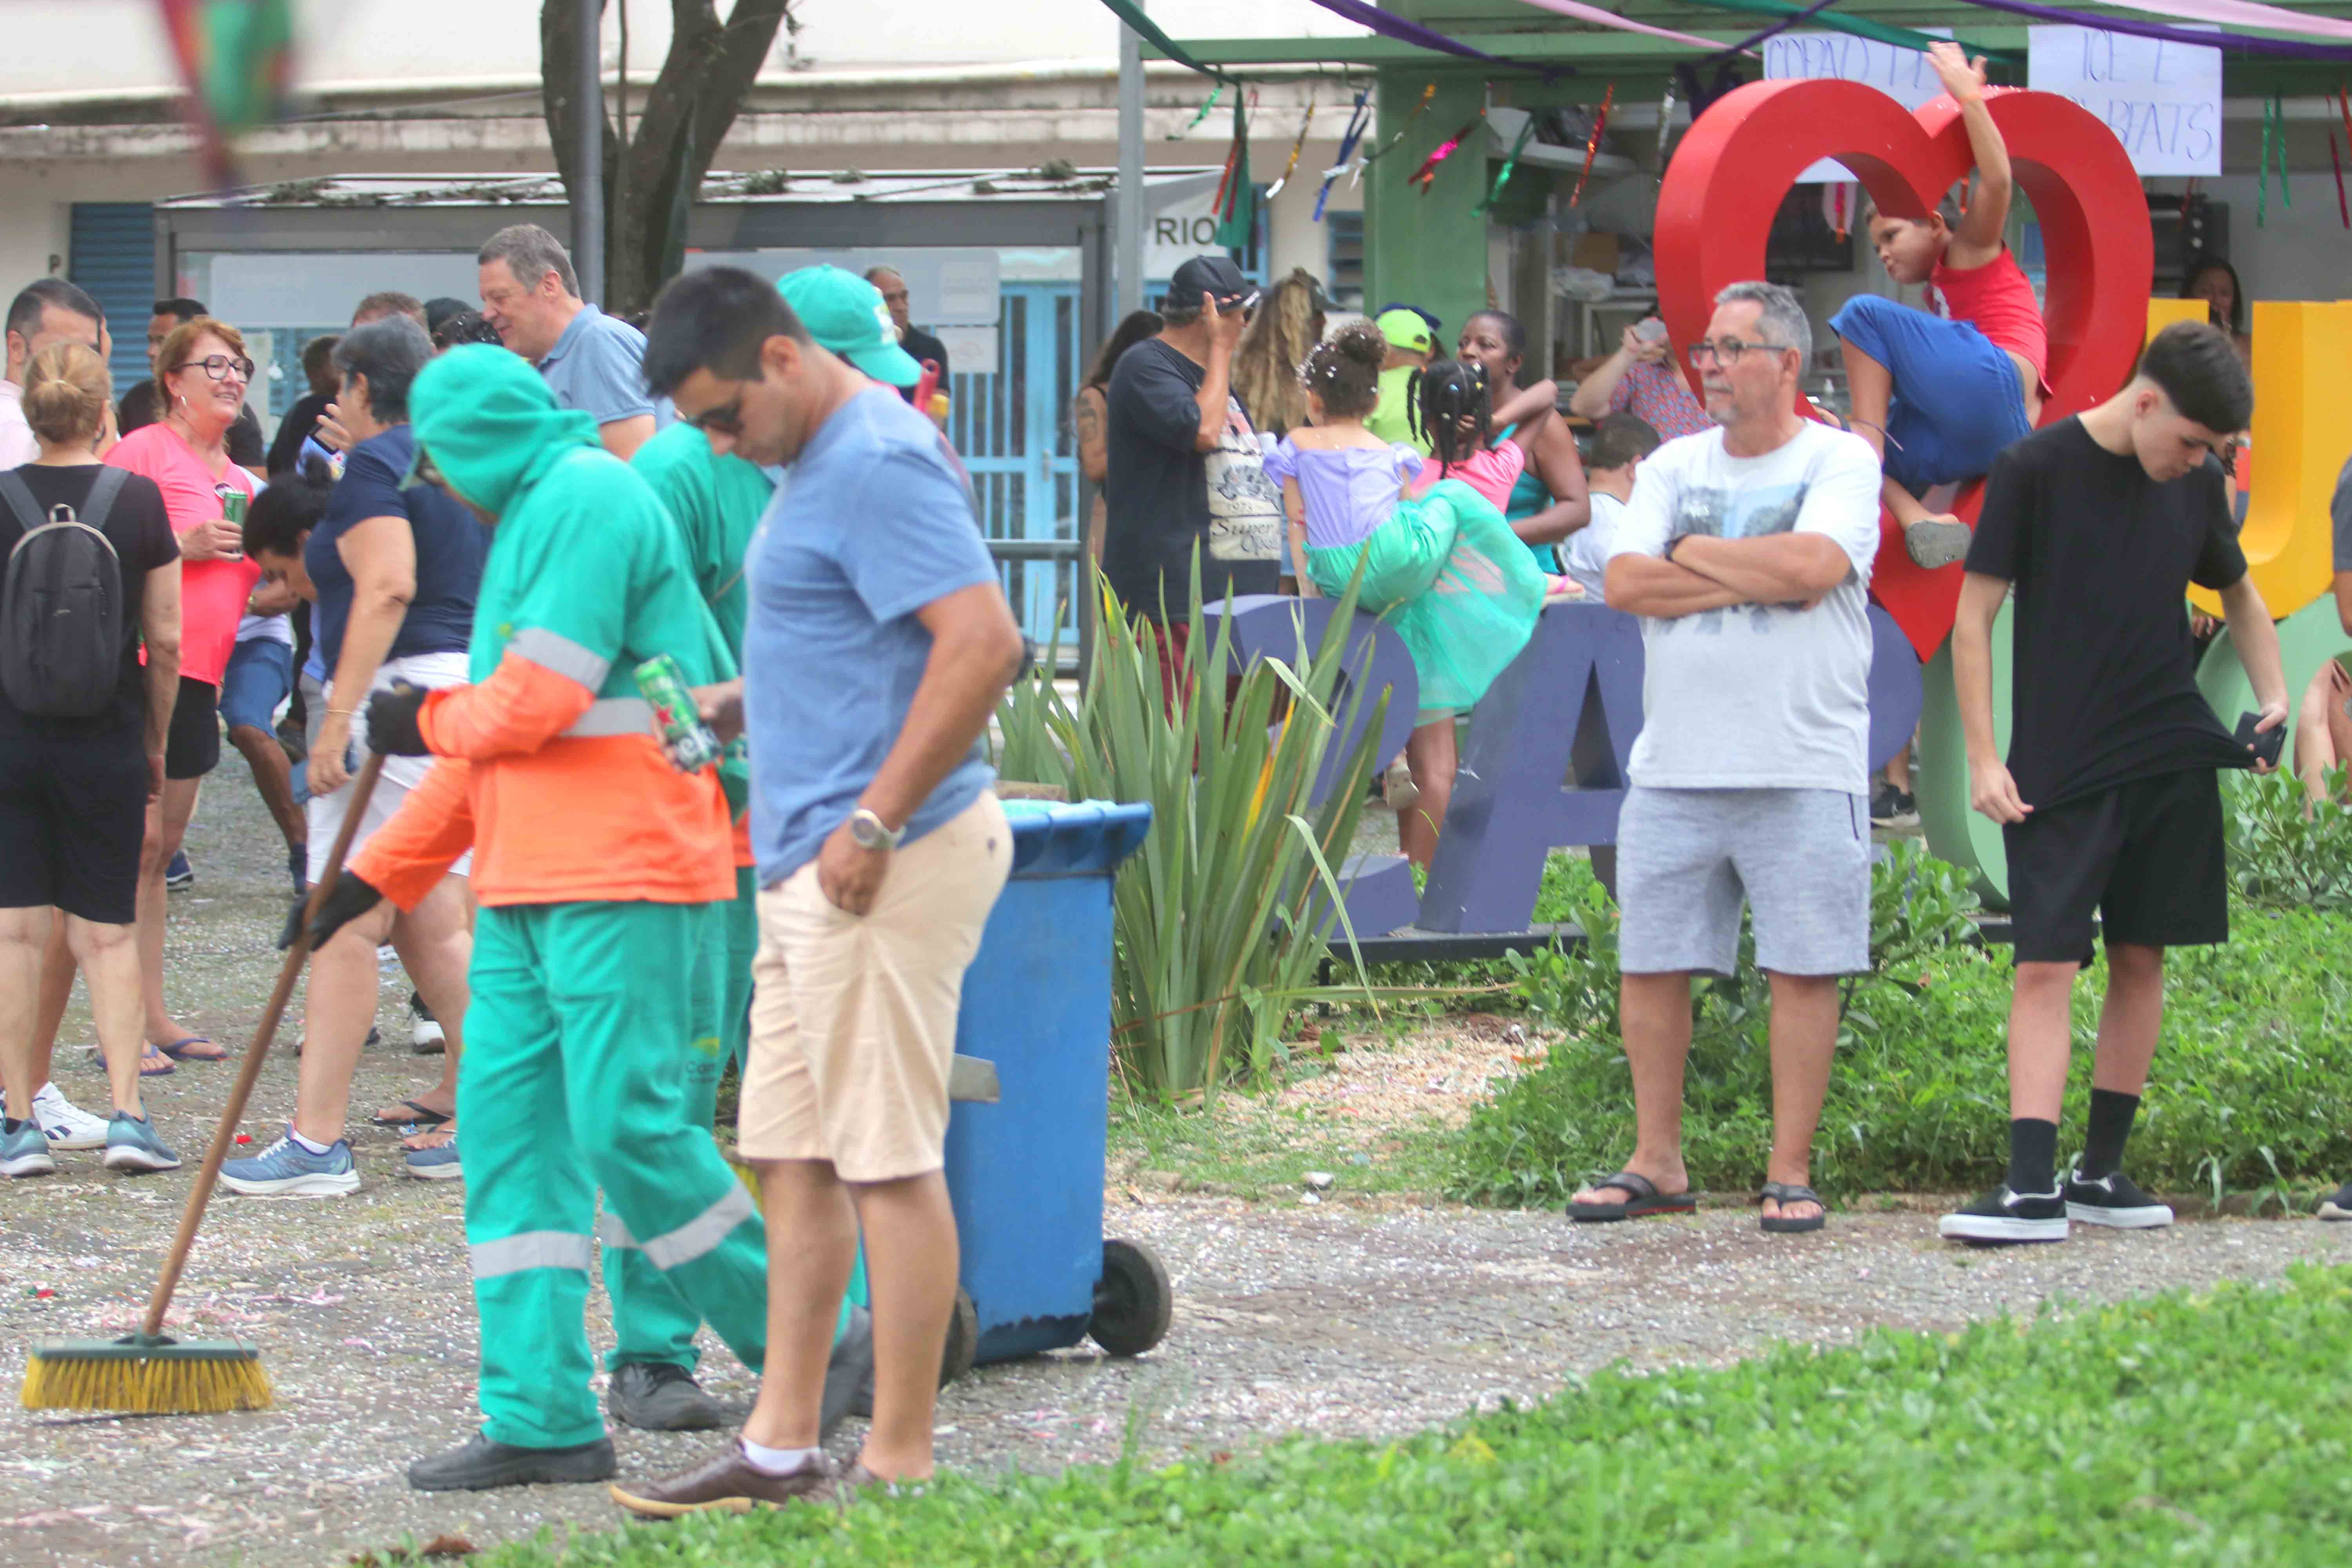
1938,398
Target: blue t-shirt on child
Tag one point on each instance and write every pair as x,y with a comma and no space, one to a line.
872,523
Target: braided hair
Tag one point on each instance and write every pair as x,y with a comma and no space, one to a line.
1442,396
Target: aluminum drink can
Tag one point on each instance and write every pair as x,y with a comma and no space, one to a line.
688,741
232,501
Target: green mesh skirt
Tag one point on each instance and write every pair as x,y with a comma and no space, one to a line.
1448,573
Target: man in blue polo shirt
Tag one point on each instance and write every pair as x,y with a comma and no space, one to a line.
590,360
878,646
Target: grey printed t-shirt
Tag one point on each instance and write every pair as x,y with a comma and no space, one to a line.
1757,696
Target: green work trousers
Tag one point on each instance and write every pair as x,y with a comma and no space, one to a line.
585,1014
651,1323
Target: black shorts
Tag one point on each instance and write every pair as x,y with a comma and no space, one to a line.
72,813
192,749
2147,855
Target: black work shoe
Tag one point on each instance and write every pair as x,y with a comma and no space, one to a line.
482,1464
2113,1200
2003,1217
661,1396
848,1374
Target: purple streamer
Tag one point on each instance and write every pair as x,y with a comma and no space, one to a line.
1414,33
2284,47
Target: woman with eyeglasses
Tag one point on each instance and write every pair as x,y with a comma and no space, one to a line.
201,375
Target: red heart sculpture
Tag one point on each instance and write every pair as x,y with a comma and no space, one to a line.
1736,163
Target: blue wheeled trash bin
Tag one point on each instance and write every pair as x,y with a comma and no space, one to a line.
1024,1170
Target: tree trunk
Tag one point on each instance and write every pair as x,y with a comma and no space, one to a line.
649,183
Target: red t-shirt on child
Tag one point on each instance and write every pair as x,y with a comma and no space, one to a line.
1999,299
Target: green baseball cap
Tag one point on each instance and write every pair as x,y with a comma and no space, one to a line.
845,314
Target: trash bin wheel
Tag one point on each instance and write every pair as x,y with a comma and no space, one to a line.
963,1340
1133,1302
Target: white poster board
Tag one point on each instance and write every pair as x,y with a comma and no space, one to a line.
1904,75
2163,101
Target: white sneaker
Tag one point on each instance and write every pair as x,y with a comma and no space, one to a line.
66,1124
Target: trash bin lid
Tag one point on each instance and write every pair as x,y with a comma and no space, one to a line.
1084,838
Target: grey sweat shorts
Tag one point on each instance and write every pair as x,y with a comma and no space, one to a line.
1687,857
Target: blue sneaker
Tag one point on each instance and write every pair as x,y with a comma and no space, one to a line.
179,876
285,1168
132,1146
25,1151
434,1165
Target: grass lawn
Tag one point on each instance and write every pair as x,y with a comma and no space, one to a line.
2213,1430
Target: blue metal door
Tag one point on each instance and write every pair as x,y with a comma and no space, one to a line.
1011,424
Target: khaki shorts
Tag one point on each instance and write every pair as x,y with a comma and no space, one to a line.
854,1019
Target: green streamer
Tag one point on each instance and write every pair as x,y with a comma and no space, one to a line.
1860,28
1510,162
2263,175
1238,222
2286,192
1215,93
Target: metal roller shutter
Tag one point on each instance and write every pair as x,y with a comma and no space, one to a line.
113,257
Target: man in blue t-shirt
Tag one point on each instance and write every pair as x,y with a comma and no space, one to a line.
591,360
878,645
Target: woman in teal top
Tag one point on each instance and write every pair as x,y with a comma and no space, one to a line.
1549,502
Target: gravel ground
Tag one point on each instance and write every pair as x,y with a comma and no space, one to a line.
1363,1317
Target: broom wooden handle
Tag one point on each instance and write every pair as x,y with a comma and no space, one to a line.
249,1070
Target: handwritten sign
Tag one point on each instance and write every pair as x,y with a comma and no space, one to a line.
1904,75
2163,101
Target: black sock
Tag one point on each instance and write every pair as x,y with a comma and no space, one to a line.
2111,1123
2032,1155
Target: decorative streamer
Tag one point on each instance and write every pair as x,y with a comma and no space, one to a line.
1592,144
1144,27
1860,28
1237,156
2245,13
2343,105
1426,175
1389,146
2278,114
1215,93
1511,162
1600,18
237,60
2335,160
1359,119
1665,125
2263,177
1297,147
2247,43
1755,41
1237,222
1389,26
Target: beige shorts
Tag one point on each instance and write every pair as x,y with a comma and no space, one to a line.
854,1018
325,813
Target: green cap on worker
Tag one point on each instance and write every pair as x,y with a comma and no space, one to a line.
846,315
1407,329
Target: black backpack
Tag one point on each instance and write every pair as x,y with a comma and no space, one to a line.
61,610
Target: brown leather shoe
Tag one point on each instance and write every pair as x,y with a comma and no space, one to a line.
726,1482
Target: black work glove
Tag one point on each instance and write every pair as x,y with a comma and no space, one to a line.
392,721
351,897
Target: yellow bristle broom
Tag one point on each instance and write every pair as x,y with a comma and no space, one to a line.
150,1372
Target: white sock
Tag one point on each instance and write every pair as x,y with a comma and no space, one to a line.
781,1461
302,1143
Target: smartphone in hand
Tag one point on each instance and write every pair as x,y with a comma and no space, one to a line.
2266,745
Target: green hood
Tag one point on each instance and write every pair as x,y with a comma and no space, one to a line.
491,425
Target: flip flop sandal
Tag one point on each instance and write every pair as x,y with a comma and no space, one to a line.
1641,1197
179,1052
1786,1193
426,1115
2339,1206
151,1062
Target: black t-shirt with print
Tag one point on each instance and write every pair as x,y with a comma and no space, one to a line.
2103,675
141,531
1162,495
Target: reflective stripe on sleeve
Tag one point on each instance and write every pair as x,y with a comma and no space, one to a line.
555,652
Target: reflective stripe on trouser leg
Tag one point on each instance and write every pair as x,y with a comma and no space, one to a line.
651,1322
529,1202
621,983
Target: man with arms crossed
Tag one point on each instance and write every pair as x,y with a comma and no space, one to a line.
1746,550
878,644
2108,801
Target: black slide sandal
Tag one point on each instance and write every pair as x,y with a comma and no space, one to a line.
1641,1197
1786,1193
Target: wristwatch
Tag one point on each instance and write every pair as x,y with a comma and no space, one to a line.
868,831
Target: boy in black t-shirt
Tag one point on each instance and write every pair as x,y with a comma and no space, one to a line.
2108,801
